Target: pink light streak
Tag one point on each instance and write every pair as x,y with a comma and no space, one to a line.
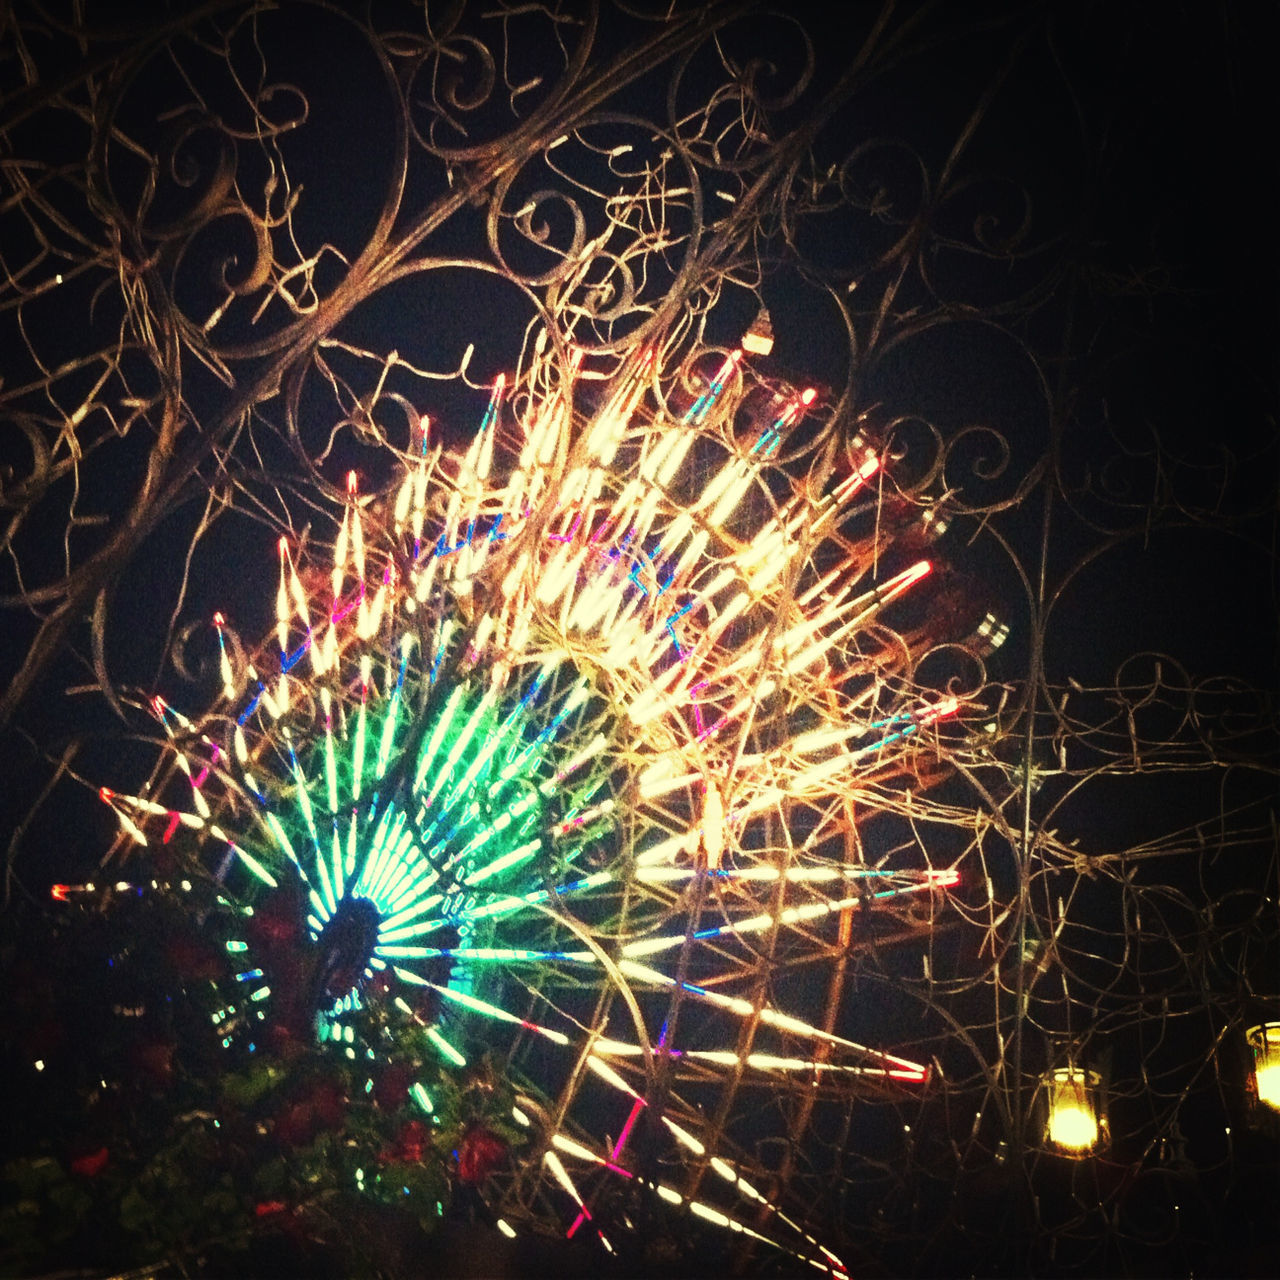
636,1107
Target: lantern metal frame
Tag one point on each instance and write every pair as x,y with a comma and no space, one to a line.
1264,1071
1074,1113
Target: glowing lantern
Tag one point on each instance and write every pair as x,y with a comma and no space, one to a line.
1075,1124
1264,1040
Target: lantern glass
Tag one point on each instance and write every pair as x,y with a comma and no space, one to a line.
1265,1043
1073,1124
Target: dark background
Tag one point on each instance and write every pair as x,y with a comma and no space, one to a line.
1131,338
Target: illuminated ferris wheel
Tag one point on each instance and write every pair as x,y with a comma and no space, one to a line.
564,753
